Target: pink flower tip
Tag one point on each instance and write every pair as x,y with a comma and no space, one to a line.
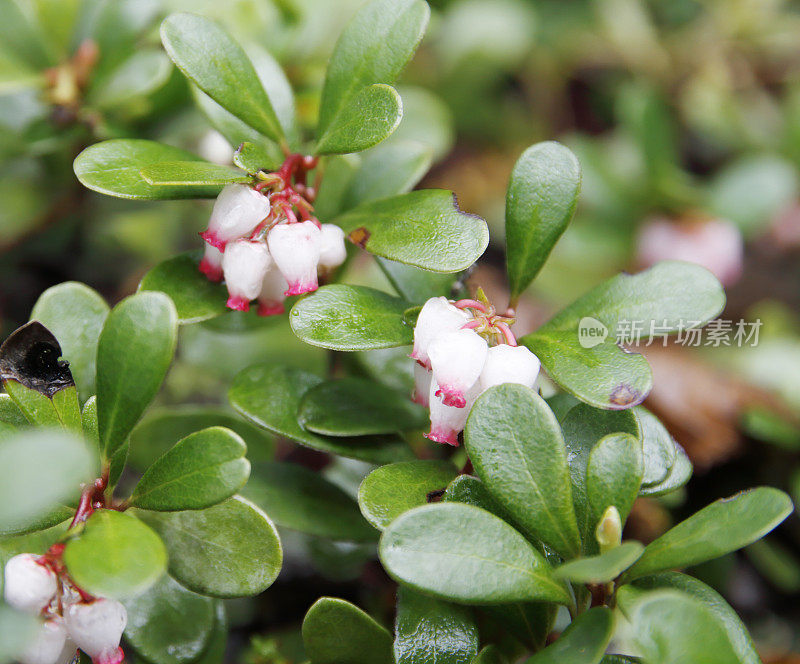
213,239
116,657
451,398
444,437
238,303
271,308
212,272
300,288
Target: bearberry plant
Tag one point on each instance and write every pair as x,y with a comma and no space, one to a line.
503,530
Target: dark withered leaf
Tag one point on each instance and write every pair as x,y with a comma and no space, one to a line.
30,356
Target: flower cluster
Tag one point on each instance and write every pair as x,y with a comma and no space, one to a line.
265,241
462,349
72,619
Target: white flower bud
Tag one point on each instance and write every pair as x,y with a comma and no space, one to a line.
509,364
244,264
295,249
436,317
332,250
457,359
422,385
211,264
237,212
29,586
51,645
448,421
97,628
271,297
609,529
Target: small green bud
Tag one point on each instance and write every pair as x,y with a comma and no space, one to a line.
609,530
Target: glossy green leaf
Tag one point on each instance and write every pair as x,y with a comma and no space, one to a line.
343,317
673,628
195,297
115,555
369,118
668,296
161,428
269,396
253,157
516,448
192,174
336,631
218,643
583,642
357,407
471,491
540,202
60,514
613,475
217,64
134,352
75,314
602,568
374,48
678,475
229,550
301,499
464,554
142,73
490,655
114,168
714,602
201,470
395,488
430,630
17,630
721,527
10,413
530,622
55,462
658,447
423,228
415,284
37,408
168,624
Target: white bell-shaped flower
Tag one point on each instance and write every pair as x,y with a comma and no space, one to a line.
448,421
96,628
509,364
244,264
29,585
50,646
237,211
332,250
271,297
457,359
436,317
295,249
422,385
211,263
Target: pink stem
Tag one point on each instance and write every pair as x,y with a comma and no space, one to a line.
471,304
511,340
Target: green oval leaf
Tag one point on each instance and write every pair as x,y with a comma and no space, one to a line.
430,630
115,556
201,470
168,624
133,354
583,642
336,631
464,554
471,491
357,407
602,568
229,550
516,448
395,488
540,202
114,168
270,397
217,64
54,462
343,317
303,500
613,475
678,475
367,119
192,174
75,314
657,445
721,527
423,228
374,48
